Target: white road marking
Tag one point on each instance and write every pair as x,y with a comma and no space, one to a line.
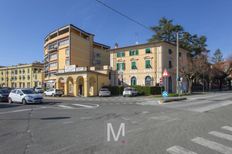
221,135
65,106
213,145
134,130
211,107
87,106
227,128
14,111
179,150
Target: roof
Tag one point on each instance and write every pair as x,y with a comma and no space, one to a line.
140,45
66,26
100,44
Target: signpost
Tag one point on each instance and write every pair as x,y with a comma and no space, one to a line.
165,75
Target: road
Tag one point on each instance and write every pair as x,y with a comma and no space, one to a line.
202,124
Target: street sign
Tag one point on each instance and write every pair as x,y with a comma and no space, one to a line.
165,94
165,73
161,81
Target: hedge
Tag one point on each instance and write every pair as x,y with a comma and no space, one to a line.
142,90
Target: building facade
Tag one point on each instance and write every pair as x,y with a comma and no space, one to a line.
22,76
74,62
144,64
69,46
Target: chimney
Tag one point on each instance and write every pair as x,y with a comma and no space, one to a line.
116,45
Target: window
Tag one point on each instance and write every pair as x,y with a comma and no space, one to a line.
53,57
120,66
179,54
98,55
148,81
120,54
67,62
28,77
53,65
67,52
133,81
28,70
148,64
134,52
169,51
148,50
63,42
133,65
23,71
170,64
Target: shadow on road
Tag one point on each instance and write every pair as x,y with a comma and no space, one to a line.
6,105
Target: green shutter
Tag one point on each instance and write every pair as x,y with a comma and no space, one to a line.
118,54
148,64
148,50
117,66
133,65
123,54
123,66
137,52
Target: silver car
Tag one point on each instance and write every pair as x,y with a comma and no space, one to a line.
129,91
104,92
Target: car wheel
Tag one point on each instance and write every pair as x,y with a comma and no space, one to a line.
10,100
24,102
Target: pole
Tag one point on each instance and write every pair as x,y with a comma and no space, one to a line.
177,63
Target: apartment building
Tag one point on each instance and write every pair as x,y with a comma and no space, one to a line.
72,58
70,45
22,76
144,64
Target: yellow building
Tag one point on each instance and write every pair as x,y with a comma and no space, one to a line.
22,76
144,64
70,54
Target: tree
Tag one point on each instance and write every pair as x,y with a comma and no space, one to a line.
217,56
167,31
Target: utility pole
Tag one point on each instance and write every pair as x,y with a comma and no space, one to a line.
177,63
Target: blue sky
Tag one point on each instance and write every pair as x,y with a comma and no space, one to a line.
25,23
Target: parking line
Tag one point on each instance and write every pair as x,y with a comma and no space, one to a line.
221,135
227,128
213,145
179,150
87,106
67,107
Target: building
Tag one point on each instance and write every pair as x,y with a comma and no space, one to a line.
22,76
74,62
144,64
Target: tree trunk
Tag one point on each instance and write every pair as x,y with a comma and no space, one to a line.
190,85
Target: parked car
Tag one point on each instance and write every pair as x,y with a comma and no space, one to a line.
38,90
54,92
4,93
104,92
24,96
129,91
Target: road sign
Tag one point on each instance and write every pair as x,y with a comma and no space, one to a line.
165,73
165,94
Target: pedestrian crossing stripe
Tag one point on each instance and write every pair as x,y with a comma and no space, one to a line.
179,150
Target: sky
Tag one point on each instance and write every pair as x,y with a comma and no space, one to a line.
25,23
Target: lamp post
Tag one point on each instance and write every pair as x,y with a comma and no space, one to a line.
177,63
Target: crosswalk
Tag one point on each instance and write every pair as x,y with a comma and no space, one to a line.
206,143
78,106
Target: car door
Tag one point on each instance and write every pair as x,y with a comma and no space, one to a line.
18,96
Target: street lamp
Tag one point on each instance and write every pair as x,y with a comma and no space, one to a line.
177,63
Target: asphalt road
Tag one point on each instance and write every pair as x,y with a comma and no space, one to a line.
202,124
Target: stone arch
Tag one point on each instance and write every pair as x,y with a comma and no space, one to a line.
92,86
80,86
70,86
61,83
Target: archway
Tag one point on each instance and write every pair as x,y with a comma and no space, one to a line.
92,86
148,81
133,81
70,86
80,86
61,82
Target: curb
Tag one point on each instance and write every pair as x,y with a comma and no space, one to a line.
171,100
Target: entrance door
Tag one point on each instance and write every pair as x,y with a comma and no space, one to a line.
80,90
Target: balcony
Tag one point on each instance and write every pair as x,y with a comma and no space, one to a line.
73,69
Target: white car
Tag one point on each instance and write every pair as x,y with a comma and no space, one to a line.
38,90
24,96
53,92
104,92
129,91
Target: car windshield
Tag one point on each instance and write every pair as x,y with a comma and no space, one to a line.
28,91
2,91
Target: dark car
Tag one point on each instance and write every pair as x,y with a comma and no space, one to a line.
4,93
